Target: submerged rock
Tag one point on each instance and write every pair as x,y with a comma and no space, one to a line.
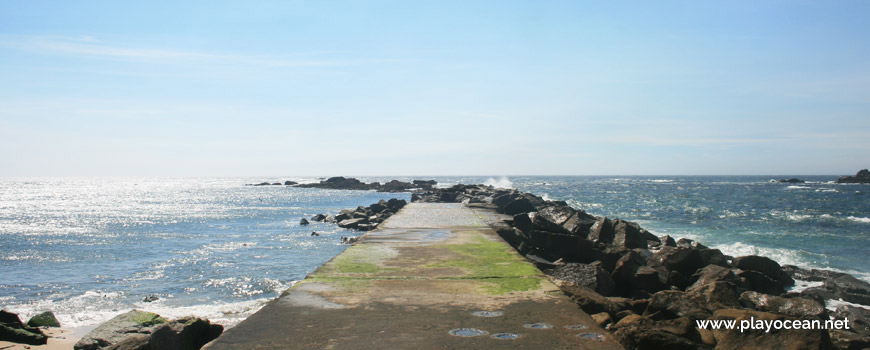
45,319
862,176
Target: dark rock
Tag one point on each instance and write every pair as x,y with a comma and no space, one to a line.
518,206
797,307
314,234
579,223
859,318
425,183
761,283
644,337
849,288
688,243
846,340
555,246
810,275
318,217
117,329
716,295
760,339
184,334
624,272
601,230
150,298
764,265
792,180
395,204
276,184
628,234
523,222
684,259
45,319
676,279
713,273
550,219
13,330
863,177
330,219
591,276
588,300
352,223
650,280
303,222
667,240
290,183
262,184
670,304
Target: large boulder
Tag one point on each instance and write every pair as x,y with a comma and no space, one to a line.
736,339
590,301
189,333
44,319
352,223
859,318
579,223
555,246
684,259
764,265
761,283
521,205
628,234
712,273
591,276
13,330
601,231
119,328
716,295
671,304
797,307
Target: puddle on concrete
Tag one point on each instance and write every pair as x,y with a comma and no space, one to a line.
592,336
575,327
506,336
467,332
538,325
488,313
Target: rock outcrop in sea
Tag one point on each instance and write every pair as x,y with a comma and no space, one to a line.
342,183
15,331
862,177
363,218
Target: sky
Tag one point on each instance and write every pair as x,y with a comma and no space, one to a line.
238,88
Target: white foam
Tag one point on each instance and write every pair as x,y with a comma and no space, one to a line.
661,181
782,256
798,187
800,285
859,219
832,304
502,182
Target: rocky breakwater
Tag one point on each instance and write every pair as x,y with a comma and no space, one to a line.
650,290
862,177
140,330
343,183
363,218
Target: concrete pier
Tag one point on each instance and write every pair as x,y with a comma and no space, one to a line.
433,276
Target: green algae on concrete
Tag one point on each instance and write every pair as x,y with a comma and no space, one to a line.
486,258
359,259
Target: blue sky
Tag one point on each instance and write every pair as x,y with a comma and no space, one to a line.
433,88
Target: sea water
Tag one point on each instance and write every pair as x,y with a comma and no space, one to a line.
91,248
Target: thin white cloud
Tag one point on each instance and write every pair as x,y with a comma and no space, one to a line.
92,47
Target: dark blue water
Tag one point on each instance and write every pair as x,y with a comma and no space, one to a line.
91,248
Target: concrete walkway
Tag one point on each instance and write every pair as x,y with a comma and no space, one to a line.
433,276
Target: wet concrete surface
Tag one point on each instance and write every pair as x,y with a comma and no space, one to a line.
433,277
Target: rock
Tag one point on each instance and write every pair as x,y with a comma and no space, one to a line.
649,279
117,329
13,330
290,183
303,222
314,234
627,234
349,240
761,283
352,223
395,204
713,273
602,319
644,337
338,183
591,276
624,272
425,183
601,231
518,206
684,259
189,333
261,184
45,319
760,339
810,275
136,341
555,246
670,304
716,295
792,180
688,243
848,340
764,265
588,300
579,223
850,289
797,307
667,240
859,318
863,177
318,217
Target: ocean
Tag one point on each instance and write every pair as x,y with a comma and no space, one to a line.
91,248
